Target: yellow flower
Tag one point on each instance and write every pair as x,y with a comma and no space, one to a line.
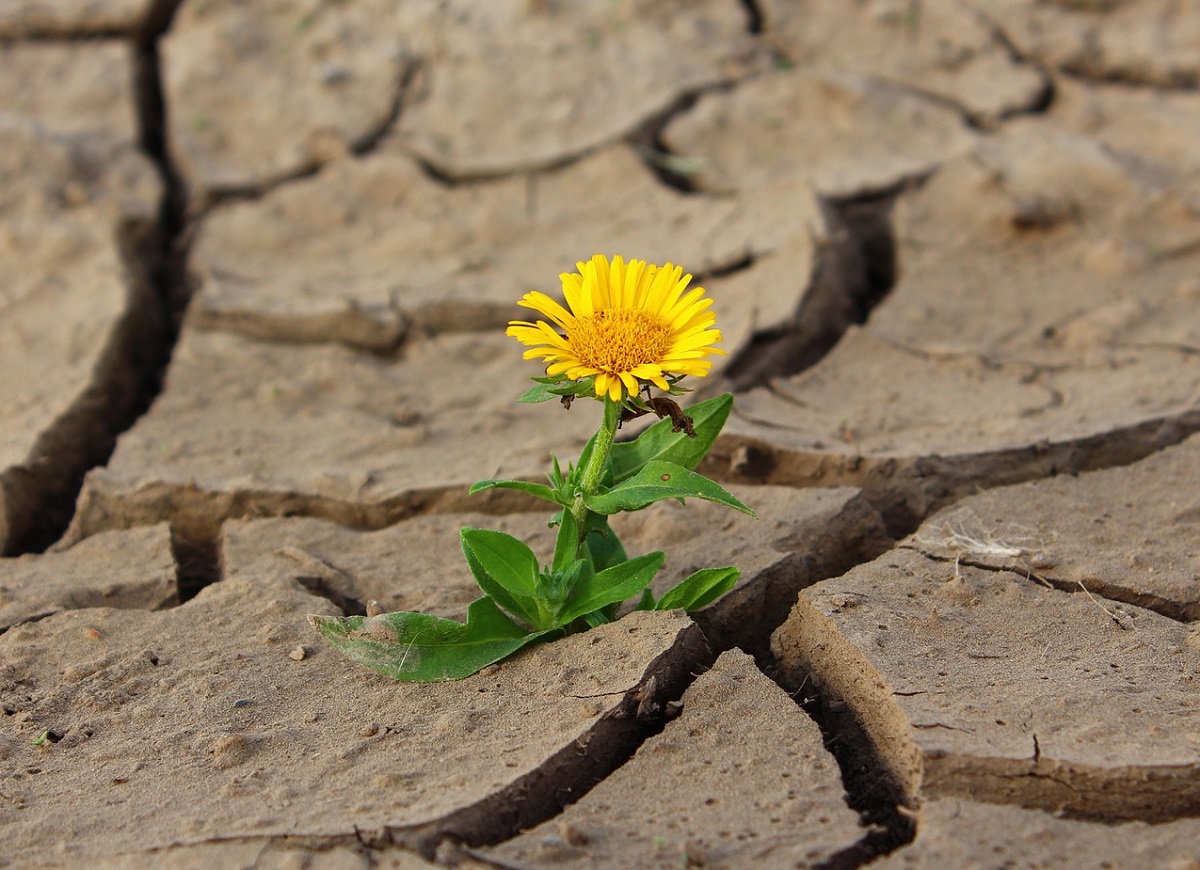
628,324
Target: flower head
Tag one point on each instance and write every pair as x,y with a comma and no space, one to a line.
627,324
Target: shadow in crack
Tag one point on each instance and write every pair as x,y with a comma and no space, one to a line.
672,170
850,277
39,502
871,791
197,564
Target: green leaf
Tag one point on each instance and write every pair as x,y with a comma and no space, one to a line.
660,480
555,388
555,476
699,590
596,618
423,648
566,545
646,602
610,586
538,489
537,393
507,570
557,586
659,442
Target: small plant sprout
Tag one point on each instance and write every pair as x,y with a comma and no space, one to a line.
627,329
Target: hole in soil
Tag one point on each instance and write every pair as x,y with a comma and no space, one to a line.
1045,99
754,16
197,564
320,586
850,278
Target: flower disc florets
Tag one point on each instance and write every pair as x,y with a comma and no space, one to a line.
627,325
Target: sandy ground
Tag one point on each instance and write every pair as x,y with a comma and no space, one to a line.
255,264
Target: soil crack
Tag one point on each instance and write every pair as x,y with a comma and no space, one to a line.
907,489
1097,590
361,146
849,279
572,772
674,171
871,789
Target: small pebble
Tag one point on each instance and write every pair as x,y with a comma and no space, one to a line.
241,702
553,849
298,654
571,835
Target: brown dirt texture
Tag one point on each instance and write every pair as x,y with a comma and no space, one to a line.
256,261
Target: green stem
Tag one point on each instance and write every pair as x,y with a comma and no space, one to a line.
594,470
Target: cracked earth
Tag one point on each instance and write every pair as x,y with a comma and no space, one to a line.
255,264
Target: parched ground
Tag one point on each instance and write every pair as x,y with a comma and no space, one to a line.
255,263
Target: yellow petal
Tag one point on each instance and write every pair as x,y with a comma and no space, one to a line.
641,285
674,292
572,286
595,277
695,342
543,303
657,325
646,370
616,283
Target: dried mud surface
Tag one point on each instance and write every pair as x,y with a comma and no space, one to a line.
255,265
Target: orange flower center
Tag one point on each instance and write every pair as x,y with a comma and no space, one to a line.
618,340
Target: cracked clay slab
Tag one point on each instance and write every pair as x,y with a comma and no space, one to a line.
915,431
129,569
1149,42
1129,534
369,251
510,86
845,135
72,18
957,832
1155,129
943,49
1080,354
1084,254
248,426
739,778
79,89
474,90
800,537
268,853
327,79
984,683
227,718
77,200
